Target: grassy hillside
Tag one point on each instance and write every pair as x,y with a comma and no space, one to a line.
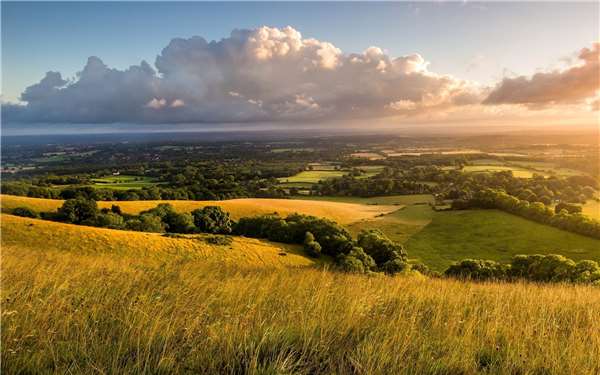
440,238
493,234
397,200
338,211
80,311
24,235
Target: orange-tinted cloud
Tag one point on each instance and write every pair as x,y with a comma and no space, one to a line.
576,84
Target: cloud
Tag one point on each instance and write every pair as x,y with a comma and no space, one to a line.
260,75
577,84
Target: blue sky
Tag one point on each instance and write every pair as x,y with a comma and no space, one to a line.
475,41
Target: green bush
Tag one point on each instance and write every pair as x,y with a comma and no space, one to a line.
78,211
110,220
212,219
312,247
146,223
25,212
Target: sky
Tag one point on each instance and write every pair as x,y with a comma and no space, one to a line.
433,62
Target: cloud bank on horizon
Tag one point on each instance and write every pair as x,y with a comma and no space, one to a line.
276,75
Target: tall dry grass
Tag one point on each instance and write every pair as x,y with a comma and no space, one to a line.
81,314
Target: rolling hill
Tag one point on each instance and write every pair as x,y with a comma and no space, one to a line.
22,235
340,212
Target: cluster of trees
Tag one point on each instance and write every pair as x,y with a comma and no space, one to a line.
371,252
573,189
564,216
538,268
162,218
384,183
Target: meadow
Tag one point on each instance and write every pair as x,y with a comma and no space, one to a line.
312,176
592,209
439,238
124,182
494,235
88,311
517,171
338,211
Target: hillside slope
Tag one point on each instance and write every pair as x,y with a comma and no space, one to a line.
67,312
21,235
340,212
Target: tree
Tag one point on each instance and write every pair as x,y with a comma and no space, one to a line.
570,208
379,247
146,223
78,210
25,212
212,219
312,247
110,220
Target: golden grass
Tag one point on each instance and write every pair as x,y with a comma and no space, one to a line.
38,236
342,213
67,312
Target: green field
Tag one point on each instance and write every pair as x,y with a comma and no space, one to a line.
495,235
592,209
124,182
312,176
517,171
398,200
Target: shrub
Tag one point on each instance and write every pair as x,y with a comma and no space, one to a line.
477,269
78,210
212,219
25,212
312,247
219,240
393,266
146,223
355,261
379,247
110,220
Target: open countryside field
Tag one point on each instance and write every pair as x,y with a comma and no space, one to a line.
124,182
592,209
24,235
338,211
495,235
517,171
86,309
312,176
396,200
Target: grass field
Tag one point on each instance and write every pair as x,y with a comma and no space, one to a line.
385,200
124,182
338,211
87,310
517,171
492,234
39,236
592,209
312,176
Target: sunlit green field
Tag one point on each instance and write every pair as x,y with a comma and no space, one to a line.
495,235
517,172
383,200
312,176
592,209
124,182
